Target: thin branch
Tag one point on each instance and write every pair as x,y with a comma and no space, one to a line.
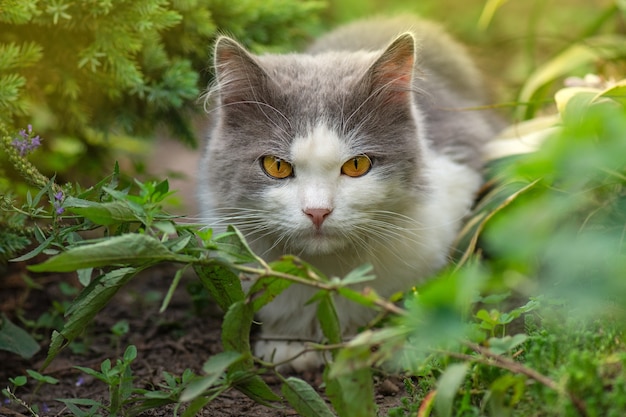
492,359
314,282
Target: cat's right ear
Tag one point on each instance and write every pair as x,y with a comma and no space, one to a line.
391,75
237,73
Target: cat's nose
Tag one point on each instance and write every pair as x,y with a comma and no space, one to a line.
317,215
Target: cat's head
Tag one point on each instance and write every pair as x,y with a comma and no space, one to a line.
313,153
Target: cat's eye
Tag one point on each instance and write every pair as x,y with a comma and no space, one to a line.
276,167
357,166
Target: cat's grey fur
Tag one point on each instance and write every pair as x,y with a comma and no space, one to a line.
396,89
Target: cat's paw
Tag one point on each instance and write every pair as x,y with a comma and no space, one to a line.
290,356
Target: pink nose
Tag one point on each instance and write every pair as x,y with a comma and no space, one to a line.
317,215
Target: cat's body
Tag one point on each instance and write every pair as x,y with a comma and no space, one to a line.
351,153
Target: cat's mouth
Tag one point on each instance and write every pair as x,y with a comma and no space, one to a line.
321,242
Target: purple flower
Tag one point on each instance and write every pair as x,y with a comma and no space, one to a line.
58,200
20,145
27,143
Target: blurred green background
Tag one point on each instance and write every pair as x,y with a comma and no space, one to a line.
99,79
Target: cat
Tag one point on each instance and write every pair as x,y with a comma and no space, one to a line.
360,150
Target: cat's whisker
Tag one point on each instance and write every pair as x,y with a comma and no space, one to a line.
365,252
391,244
384,237
418,226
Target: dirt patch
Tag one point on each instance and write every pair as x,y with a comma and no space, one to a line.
181,337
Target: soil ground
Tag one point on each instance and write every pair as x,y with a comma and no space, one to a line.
177,339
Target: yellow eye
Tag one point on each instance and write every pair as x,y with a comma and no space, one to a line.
357,166
276,167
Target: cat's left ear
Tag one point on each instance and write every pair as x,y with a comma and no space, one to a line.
239,76
393,70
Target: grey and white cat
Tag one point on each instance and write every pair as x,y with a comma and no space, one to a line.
361,150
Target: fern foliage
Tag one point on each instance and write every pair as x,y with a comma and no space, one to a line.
95,76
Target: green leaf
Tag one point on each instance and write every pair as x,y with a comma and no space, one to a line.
616,92
486,318
215,368
265,289
304,399
178,244
328,318
495,298
605,47
359,354
193,409
506,392
168,228
232,247
505,344
19,381
254,387
16,340
217,364
493,203
222,284
334,392
57,342
88,303
101,213
42,246
71,404
130,354
92,372
359,275
127,249
236,329
42,378
161,190
447,388
352,394
367,299
35,201
236,337
573,103
489,10
84,276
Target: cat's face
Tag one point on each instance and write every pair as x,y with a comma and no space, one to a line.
314,154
